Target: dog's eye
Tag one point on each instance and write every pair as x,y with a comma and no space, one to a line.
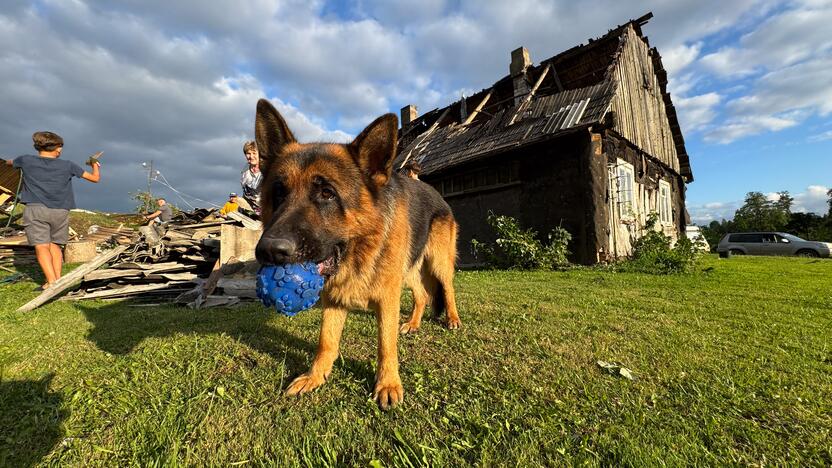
328,193
278,193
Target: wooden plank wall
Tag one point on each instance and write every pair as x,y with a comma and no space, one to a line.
640,115
622,233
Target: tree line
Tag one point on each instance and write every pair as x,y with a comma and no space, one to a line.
758,213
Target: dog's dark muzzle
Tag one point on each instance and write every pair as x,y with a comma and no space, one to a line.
275,250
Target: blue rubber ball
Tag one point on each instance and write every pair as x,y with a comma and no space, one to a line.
290,288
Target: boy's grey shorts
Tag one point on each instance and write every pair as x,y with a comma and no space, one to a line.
45,225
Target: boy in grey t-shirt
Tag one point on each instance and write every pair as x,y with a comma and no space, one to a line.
47,194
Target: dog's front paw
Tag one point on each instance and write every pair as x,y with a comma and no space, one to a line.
388,394
408,327
453,323
305,383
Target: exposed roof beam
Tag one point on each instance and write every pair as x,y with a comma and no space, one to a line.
529,96
479,107
421,138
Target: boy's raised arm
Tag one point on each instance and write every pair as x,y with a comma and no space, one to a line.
96,174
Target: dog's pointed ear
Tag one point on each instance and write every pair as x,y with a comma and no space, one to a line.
271,133
375,148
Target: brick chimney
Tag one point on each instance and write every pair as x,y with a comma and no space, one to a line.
520,62
409,114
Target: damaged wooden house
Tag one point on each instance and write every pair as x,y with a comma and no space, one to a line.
588,140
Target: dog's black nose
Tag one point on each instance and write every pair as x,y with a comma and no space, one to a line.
275,250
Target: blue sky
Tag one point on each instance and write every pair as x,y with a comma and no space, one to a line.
176,82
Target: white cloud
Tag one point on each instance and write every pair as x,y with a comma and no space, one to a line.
697,111
737,128
177,81
784,39
813,200
786,62
824,136
176,102
713,211
780,99
677,58
802,86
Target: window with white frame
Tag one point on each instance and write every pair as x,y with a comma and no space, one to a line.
665,210
626,188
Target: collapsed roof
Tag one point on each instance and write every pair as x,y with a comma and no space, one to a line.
565,93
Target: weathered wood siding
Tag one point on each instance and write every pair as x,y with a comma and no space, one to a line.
552,187
639,109
648,173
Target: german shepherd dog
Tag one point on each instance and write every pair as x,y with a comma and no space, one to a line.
369,229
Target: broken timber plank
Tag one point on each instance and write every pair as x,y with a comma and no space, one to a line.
240,287
201,225
215,301
421,138
124,291
522,107
248,223
111,273
211,284
477,109
73,278
183,276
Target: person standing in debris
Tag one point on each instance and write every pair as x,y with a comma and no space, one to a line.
162,215
48,196
251,177
230,205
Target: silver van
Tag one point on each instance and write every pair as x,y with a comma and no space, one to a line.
770,243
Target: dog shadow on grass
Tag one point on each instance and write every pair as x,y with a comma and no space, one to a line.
30,421
118,329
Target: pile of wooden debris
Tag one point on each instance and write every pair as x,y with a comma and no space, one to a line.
198,260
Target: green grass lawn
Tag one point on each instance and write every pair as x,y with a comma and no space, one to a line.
732,365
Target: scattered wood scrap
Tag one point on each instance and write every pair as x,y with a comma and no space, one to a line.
248,223
178,264
72,279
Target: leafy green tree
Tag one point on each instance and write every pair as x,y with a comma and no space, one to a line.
805,225
784,202
760,214
714,231
829,202
144,202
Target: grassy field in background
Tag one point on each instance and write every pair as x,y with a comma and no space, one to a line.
732,365
80,221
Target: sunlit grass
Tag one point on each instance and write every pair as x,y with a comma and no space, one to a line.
732,365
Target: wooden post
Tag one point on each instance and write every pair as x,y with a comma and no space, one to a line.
237,242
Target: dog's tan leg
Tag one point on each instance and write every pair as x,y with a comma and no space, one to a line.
442,245
446,279
388,389
420,300
332,324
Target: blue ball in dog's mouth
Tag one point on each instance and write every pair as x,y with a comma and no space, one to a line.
290,288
